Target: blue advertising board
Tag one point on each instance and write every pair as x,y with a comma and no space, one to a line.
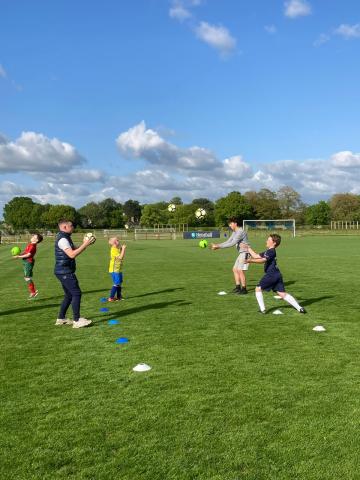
199,235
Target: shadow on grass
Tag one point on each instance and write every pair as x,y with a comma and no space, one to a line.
104,290
156,292
30,308
140,308
309,301
304,303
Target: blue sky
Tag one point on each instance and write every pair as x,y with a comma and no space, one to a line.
148,99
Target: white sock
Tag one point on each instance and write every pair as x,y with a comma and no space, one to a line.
290,299
260,300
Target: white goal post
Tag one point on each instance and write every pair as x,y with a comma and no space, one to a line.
268,224
122,234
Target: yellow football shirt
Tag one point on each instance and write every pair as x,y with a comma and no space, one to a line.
115,264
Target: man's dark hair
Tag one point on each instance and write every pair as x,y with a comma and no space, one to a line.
234,220
65,220
276,239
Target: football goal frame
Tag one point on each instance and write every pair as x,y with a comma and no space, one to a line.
271,224
154,234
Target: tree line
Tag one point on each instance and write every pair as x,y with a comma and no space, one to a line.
22,213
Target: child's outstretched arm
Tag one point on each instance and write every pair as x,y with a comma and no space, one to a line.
252,252
26,255
122,253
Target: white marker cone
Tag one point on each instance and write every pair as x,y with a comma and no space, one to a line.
319,328
141,367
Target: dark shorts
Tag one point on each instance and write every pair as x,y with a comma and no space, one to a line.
272,282
28,269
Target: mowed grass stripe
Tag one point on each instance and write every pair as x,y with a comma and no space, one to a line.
231,394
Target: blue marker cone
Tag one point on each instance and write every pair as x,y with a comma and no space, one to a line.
122,340
103,300
104,309
113,322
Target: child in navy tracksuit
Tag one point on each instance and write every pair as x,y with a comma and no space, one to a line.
272,280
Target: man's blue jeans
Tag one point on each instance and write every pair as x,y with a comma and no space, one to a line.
72,295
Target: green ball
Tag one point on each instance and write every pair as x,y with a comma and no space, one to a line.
15,251
203,243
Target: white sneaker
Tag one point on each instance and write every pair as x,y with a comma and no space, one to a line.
82,322
63,321
33,295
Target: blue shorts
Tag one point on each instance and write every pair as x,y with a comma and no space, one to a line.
117,278
272,282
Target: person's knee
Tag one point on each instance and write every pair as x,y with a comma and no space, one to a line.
258,289
27,279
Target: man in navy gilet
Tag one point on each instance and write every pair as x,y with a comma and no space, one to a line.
65,266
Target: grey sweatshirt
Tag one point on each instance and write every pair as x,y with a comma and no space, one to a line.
237,237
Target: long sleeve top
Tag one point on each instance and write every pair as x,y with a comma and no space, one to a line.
237,237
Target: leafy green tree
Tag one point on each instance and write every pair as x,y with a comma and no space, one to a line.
345,206
176,201
117,218
233,205
18,211
183,214
289,202
57,212
264,203
91,215
209,207
38,215
154,213
132,210
318,214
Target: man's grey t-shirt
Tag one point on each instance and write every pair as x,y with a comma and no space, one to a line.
237,237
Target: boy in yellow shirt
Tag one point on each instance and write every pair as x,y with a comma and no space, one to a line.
117,254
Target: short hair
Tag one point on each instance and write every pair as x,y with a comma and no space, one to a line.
65,220
39,237
233,220
111,240
275,238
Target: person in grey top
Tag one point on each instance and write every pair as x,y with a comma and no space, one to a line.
237,237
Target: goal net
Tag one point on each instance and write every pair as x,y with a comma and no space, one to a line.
155,234
121,234
270,225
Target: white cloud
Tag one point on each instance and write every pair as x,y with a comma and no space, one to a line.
348,31
170,170
74,176
345,159
34,152
322,38
297,8
140,142
179,12
270,29
235,167
180,9
2,72
217,37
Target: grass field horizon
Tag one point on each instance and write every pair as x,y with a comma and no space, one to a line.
231,395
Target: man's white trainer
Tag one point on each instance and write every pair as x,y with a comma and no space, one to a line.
63,321
82,322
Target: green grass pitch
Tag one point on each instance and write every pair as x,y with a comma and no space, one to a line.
231,395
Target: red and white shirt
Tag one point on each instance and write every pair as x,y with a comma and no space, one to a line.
30,248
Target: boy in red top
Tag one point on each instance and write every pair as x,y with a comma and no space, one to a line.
28,259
